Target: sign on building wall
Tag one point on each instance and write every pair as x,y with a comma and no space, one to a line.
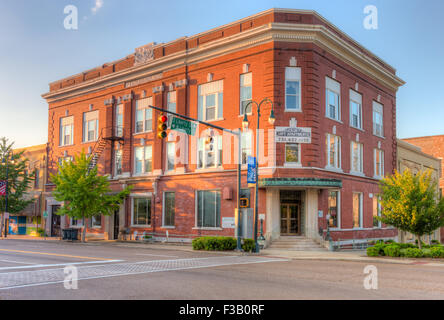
228,223
293,135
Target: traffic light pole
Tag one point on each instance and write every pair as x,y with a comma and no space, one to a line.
239,166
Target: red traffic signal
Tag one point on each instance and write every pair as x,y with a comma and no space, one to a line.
162,126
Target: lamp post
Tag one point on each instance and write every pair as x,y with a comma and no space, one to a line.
271,120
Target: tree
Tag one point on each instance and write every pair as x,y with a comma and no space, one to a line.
18,177
85,194
411,203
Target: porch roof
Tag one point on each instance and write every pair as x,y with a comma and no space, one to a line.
300,182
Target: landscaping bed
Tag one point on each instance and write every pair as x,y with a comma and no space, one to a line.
221,244
405,250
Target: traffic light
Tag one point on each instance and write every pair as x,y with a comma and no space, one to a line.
162,126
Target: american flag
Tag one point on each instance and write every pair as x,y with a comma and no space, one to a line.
2,188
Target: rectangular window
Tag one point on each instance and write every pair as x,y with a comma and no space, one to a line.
118,162
292,89
144,115
171,104
246,146
333,151
333,209
65,159
333,98
292,153
37,179
143,159
357,210
211,97
378,116
169,209
376,211
119,120
66,131
355,109
141,211
379,163
90,126
246,92
208,209
209,154
356,157
171,156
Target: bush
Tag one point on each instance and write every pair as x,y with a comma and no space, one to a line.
392,250
412,253
427,253
437,252
406,245
214,243
373,251
248,245
41,232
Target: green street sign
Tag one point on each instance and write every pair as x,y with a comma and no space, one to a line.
185,126
45,214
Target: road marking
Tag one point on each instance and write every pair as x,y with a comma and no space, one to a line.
58,265
54,254
18,262
156,255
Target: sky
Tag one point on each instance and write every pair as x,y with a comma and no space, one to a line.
36,49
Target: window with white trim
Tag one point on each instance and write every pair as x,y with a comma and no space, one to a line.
211,101
355,109
378,122
119,120
246,92
91,126
144,115
169,210
96,222
209,154
356,157
379,163
66,131
357,210
333,148
292,153
141,212
171,156
143,159
334,209
171,104
208,209
333,99
247,150
293,89
118,162
377,209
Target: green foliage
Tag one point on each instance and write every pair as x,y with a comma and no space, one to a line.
373,251
437,252
41,232
19,179
412,253
411,203
392,250
408,250
84,194
248,245
214,243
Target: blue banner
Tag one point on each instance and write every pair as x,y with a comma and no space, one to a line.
251,173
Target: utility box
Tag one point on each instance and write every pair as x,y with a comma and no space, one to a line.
246,221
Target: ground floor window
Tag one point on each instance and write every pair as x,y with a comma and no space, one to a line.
141,211
376,211
96,221
333,209
357,210
169,209
208,209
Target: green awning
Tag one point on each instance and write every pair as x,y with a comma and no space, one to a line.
300,182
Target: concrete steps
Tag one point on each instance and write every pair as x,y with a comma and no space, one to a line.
296,243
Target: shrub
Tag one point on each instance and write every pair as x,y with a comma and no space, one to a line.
392,250
390,241
437,252
380,246
248,245
427,253
41,232
214,243
412,253
406,245
373,251
435,242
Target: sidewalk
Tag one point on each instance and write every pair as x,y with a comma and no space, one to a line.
29,238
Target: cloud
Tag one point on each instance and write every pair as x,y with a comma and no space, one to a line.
99,4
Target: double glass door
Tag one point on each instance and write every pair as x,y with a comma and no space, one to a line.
290,219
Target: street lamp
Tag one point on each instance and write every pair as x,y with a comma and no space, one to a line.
5,162
271,120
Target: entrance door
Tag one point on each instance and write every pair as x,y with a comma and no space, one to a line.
116,225
290,219
55,222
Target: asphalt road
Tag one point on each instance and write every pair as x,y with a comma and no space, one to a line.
35,270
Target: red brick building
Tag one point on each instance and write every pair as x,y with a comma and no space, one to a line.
317,77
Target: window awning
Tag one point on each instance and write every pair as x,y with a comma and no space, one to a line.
300,182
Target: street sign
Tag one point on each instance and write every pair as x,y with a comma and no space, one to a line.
45,214
293,135
185,126
251,173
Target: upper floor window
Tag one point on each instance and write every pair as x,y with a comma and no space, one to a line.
356,157
355,109
143,159
292,153
246,92
292,89
171,156
247,149
90,126
66,131
379,163
333,151
209,154
211,101
119,120
118,162
37,179
144,115
333,99
171,104
378,124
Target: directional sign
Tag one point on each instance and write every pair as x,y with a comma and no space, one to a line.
185,126
251,173
293,135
